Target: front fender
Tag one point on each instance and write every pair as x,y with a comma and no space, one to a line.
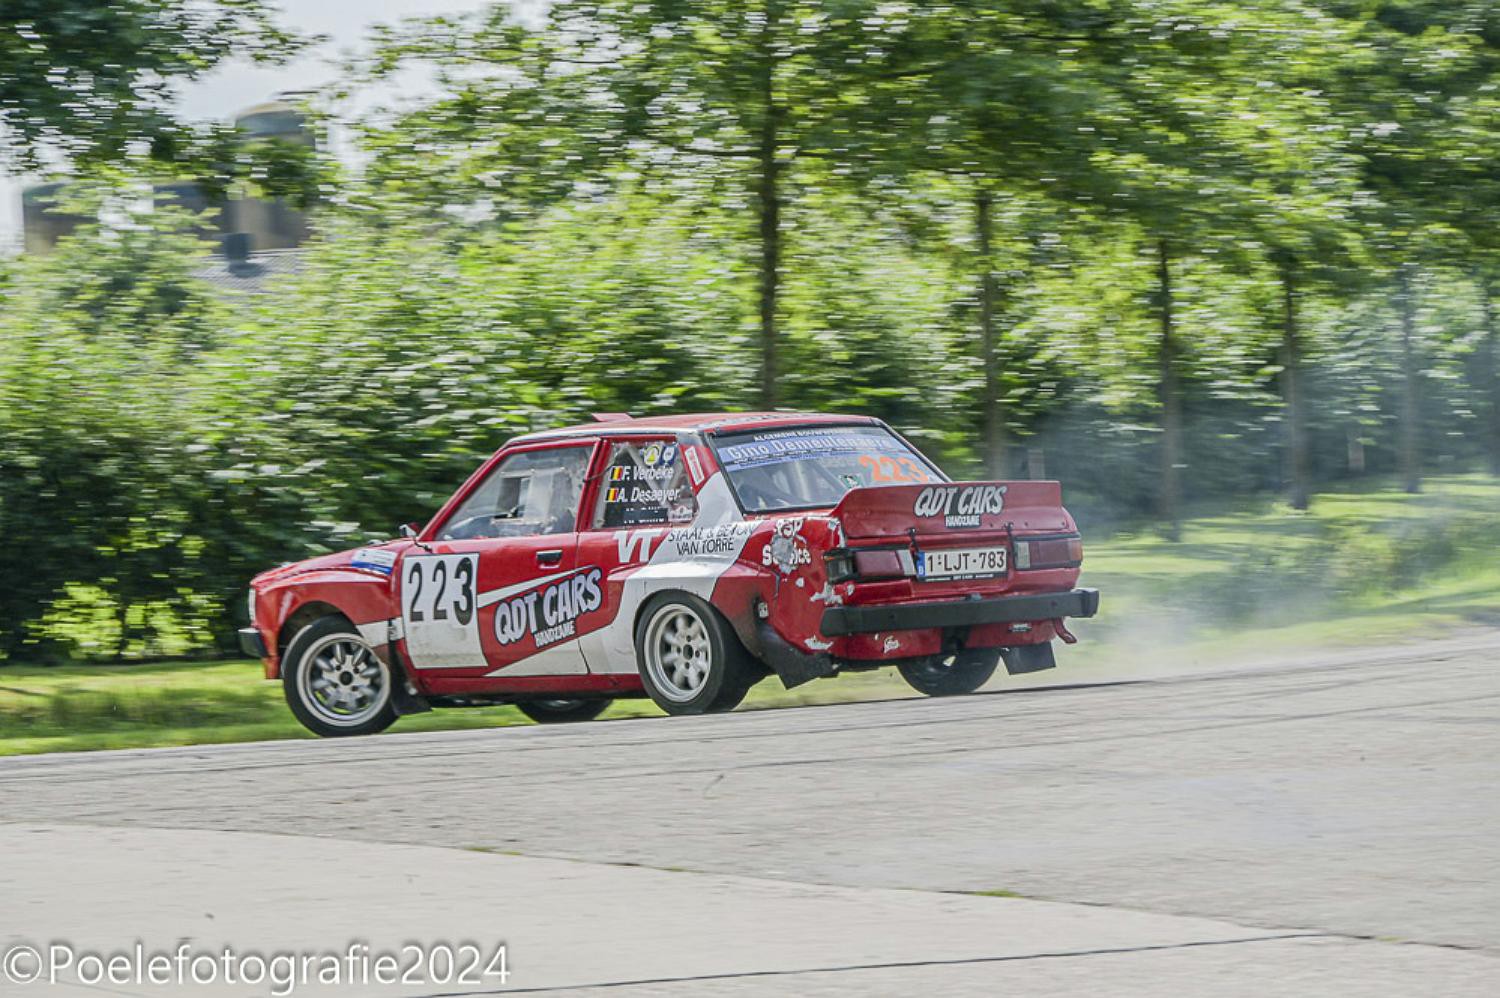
287,605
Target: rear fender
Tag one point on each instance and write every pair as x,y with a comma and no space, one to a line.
784,592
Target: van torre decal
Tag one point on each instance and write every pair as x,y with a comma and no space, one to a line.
717,543
959,505
549,613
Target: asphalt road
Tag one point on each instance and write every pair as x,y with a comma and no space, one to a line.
1327,826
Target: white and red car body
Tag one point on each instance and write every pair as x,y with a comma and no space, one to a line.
808,592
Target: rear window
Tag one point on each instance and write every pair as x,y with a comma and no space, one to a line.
812,467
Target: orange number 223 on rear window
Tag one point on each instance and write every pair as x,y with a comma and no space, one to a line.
892,469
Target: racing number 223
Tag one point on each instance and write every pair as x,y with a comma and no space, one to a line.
892,469
449,582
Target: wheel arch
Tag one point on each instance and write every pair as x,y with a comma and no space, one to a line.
357,597
308,613
739,669
650,601
655,598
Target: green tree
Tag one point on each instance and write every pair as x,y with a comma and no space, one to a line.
1418,101
745,91
996,101
101,341
90,78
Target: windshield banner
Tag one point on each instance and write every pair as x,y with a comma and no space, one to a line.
773,447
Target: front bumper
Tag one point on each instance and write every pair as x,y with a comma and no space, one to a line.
958,613
252,644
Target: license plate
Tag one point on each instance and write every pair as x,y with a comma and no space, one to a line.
962,563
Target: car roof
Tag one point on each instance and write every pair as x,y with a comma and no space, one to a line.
696,422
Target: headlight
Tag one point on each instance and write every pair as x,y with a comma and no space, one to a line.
250,606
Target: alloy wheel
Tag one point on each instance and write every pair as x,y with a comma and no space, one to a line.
343,682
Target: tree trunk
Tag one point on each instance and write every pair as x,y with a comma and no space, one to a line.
1488,378
1293,411
992,419
768,201
1169,494
122,643
1410,457
1356,450
1036,462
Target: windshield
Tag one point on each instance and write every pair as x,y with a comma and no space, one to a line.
812,467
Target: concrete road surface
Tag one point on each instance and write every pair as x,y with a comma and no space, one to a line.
1328,827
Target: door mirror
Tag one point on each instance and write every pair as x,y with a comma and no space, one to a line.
410,531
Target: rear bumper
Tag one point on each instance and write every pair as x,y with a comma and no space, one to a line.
958,613
252,644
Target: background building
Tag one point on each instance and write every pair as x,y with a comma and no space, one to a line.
247,225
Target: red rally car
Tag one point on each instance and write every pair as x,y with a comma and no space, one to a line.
683,557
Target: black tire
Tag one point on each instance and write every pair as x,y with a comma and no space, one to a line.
951,675
722,672
355,698
563,710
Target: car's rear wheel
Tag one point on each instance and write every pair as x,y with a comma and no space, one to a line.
334,682
563,710
953,674
690,660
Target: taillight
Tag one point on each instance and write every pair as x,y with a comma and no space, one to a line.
1049,552
878,564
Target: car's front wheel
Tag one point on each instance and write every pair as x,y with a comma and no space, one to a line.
563,710
691,662
953,674
334,682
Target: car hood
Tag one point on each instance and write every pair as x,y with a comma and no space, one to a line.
339,560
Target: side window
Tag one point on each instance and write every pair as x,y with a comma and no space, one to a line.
644,483
533,492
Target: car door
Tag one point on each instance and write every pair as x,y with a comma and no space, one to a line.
496,591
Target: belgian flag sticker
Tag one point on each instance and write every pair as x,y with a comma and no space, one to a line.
617,474
614,495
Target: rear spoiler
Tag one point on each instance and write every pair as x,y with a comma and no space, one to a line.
895,510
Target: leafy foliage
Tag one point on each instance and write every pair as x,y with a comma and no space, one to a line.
89,78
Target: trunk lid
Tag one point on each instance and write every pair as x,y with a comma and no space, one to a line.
953,512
